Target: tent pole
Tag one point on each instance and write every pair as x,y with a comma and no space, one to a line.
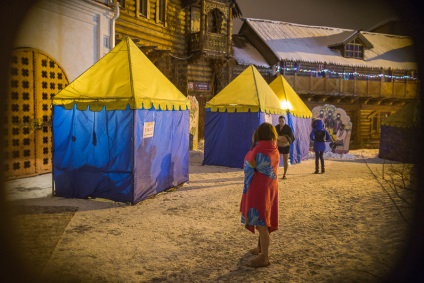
52,184
52,152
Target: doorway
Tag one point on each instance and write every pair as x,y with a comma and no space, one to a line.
34,79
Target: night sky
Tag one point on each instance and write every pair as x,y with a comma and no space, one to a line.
355,14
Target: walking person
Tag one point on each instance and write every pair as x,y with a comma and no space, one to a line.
259,202
319,135
285,139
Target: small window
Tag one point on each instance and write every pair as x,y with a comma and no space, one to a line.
143,8
354,49
161,11
215,19
288,68
195,19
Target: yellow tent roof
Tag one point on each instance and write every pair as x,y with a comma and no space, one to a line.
290,101
248,91
124,76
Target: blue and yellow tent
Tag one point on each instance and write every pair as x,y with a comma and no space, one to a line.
120,130
298,117
232,116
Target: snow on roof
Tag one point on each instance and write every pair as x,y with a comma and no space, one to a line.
246,54
296,42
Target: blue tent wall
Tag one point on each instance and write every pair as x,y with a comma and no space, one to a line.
301,128
228,136
161,161
94,154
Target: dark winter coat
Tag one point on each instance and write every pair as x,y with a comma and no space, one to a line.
319,125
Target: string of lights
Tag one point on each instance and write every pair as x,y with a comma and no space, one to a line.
345,75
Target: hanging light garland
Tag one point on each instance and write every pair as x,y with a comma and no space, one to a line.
345,75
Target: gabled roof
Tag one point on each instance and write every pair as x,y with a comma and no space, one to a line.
290,101
355,35
247,92
246,54
304,43
124,76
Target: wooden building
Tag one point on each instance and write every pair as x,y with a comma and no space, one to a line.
369,75
188,40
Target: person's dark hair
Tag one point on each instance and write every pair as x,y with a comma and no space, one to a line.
282,117
266,132
254,139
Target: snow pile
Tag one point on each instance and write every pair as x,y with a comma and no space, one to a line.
353,154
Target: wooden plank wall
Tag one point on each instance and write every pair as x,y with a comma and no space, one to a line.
364,88
168,36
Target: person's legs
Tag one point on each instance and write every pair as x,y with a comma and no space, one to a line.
262,259
321,157
257,250
264,240
316,162
280,150
286,163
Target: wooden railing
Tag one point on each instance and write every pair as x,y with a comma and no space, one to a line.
405,89
211,43
216,43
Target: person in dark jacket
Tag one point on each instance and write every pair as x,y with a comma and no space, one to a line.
319,135
285,139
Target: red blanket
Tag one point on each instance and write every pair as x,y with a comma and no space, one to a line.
259,202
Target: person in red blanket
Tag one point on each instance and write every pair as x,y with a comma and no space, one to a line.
259,202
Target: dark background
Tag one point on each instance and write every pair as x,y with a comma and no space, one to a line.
356,14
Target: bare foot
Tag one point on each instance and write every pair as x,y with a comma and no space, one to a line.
255,251
258,261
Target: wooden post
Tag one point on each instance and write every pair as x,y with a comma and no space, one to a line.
381,81
405,85
354,81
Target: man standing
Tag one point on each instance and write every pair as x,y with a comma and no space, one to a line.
285,139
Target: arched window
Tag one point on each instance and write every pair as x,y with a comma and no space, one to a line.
215,19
